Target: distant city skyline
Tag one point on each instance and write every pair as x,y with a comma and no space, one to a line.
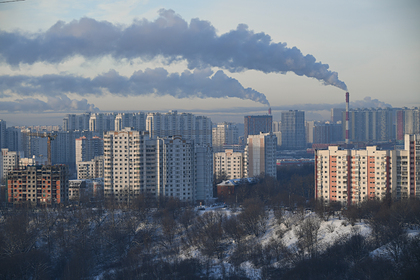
221,59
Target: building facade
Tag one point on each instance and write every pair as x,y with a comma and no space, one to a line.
254,125
3,134
224,134
337,115
88,148
327,133
38,185
370,125
407,122
260,155
186,125
126,171
293,130
14,139
176,173
9,160
91,169
229,163
353,176
167,166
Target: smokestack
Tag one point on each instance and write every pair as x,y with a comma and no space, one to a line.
347,119
269,111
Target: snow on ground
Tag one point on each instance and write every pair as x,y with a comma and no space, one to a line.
329,232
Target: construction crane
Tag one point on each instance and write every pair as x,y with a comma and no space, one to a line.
49,136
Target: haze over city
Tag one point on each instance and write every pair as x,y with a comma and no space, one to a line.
209,139
222,59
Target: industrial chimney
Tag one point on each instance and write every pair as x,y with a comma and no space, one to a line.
269,111
347,119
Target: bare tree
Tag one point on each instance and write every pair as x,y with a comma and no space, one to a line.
254,217
278,215
209,233
187,217
234,228
307,234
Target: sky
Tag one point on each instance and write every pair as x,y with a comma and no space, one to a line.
223,59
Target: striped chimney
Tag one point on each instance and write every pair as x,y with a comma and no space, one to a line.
347,118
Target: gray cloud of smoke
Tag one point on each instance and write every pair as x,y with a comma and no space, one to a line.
58,103
169,37
367,102
202,83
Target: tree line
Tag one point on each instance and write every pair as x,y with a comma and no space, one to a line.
175,241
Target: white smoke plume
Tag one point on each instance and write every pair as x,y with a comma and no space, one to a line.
170,37
201,83
54,104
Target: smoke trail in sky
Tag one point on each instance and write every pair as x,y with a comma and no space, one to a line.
56,103
169,37
201,83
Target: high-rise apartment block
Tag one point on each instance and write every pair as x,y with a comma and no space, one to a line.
175,158
229,163
224,134
125,166
9,160
186,125
63,147
76,122
91,169
101,122
276,126
293,130
370,125
254,125
3,134
168,166
309,128
14,139
137,121
353,176
203,173
260,155
88,148
407,122
337,115
327,133
39,185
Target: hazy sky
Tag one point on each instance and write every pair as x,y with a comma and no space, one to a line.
223,59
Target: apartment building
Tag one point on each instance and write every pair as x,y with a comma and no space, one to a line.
126,170
353,176
293,129
9,160
176,172
39,185
224,134
88,148
260,155
2,134
254,125
91,169
167,166
375,125
186,125
229,163
104,122
407,122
